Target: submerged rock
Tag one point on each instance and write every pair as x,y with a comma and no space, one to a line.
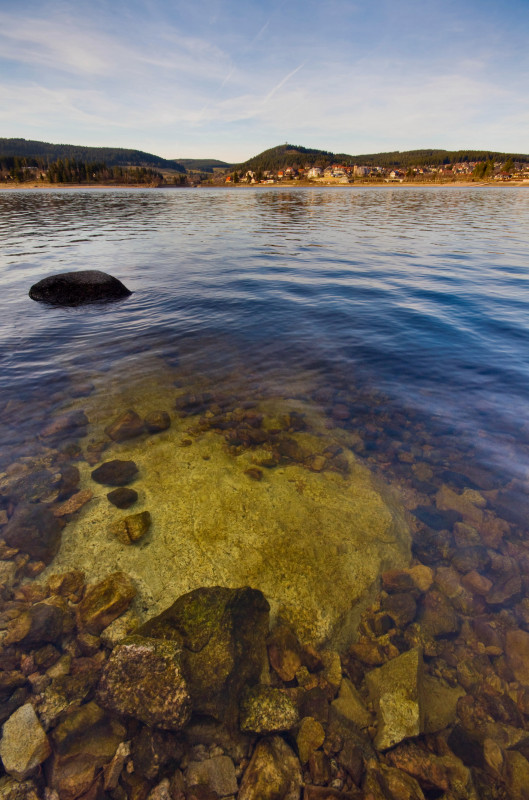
122,498
127,426
105,601
144,678
267,710
274,772
35,530
132,528
78,288
157,421
115,473
24,745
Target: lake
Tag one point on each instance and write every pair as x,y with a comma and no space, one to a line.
398,315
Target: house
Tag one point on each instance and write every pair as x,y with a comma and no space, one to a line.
315,172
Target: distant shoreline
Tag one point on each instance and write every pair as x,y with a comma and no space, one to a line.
280,184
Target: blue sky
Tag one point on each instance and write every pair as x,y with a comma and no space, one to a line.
229,78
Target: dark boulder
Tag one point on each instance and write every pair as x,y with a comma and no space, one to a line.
122,498
115,473
77,288
35,530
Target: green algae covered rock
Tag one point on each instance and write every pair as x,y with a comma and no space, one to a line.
198,656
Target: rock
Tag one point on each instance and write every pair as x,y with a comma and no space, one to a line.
274,773
310,737
350,704
7,574
223,633
70,478
217,773
115,473
67,584
40,623
144,679
284,652
266,710
84,742
78,288
517,653
105,601
157,421
35,530
12,789
127,426
131,529
123,498
396,692
24,745
328,793
114,768
516,772
73,504
401,607
119,628
467,504
154,750
388,783
332,671
439,704
72,423
442,773
437,616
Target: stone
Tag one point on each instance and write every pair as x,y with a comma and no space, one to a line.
217,773
439,704
127,426
266,710
467,504
401,607
114,768
350,704
437,616
157,421
310,737
84,743
332,670
284,652
274,772
73,423
476,583
24,745
115,473
516,772
445,773
40,623
144,679
517,654
121,627
105,601
35,530
68,584
223,634
78,288
122,497
73,504
397,695
154,750
389,783
320,768
70,477
7,574
132,528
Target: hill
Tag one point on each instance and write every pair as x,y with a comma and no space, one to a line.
203,164
288,155
42,153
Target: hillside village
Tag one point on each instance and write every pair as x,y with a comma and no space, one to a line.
346,174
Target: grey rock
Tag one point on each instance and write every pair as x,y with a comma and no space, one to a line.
24,744
267,710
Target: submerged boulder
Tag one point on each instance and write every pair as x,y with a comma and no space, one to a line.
77,288
35,530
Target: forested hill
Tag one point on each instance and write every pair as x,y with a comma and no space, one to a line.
288,155
39,153
203,164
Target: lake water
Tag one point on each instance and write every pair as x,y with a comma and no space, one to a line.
399,314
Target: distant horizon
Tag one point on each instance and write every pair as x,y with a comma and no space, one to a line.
171,77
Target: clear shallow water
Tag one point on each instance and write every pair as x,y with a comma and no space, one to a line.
419,293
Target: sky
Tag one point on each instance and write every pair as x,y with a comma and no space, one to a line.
229,78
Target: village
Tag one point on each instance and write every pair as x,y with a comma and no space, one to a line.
347,174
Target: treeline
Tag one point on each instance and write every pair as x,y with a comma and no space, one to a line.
72,171
287,155
45,152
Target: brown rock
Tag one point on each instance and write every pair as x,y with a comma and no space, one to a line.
75,502
284,652
115,473
517,653
401,607
467,504
310,737
105,601
476,583
254,473
217,773
154,750
131,529
40,623
266,710
35,530
71,423
274,772
24,745
122,497
127,426
70,478
437,616
67,583
320,768
157,421
516,772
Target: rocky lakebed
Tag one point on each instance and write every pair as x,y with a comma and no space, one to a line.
205,598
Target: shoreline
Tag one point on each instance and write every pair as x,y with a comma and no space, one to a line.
290,185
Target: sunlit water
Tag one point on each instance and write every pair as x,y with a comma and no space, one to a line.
407,307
